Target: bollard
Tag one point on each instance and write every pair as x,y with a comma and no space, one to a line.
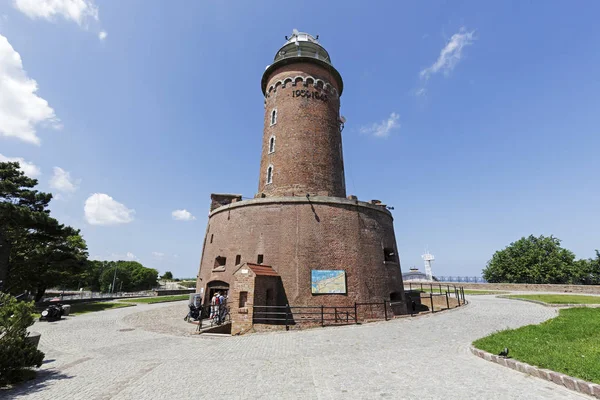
322,320
431,300
287,327
355,313
384,310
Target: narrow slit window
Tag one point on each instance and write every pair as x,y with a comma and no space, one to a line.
272,144
211,237
274,117
270,174
238,259
259,259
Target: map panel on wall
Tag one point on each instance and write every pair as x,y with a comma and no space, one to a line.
328,281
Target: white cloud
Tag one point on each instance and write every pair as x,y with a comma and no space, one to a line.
383,128
157,254
102,35
62,181
130,256
101,209
182,215
79,11
450,54
421,92
21,110
29,168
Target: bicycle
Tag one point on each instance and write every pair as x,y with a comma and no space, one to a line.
220,316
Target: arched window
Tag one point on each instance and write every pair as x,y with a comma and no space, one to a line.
272,144
274,116
270,174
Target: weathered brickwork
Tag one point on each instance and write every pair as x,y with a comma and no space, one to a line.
295,237
300,220
307,156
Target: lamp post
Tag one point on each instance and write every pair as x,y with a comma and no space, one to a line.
112,289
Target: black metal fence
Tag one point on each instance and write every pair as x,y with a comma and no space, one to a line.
211,315
344,315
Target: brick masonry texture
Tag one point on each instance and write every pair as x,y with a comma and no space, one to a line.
567,381
300,219
295,238
308,144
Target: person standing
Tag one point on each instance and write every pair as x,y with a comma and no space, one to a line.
214,305
222,306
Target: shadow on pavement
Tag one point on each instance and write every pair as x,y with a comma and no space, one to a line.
35,385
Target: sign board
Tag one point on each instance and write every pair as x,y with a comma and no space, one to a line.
328,281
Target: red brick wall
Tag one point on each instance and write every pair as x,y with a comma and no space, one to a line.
286,231
308,156
241,318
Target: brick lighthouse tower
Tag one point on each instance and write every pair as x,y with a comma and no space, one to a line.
302,141
300,241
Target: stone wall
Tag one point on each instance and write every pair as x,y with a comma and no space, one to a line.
173,292
241,317
523,287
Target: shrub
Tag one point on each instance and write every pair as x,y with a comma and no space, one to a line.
17,355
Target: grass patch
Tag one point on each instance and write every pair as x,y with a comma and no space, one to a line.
158,299
559,298
83,308
567,343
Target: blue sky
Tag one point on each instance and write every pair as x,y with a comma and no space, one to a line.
477,121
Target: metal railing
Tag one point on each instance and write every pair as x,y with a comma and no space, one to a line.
437,290
461,279
94,295
325,315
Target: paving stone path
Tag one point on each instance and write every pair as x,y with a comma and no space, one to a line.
128,353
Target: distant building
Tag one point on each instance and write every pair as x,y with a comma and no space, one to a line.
414,275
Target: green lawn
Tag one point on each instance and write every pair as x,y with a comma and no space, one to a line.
558,298
158,299
567,343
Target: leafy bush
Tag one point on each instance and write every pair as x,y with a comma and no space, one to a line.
533,260
17,354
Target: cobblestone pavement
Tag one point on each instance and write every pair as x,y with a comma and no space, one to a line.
126,354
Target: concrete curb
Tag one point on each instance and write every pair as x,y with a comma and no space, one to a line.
550,304
577,385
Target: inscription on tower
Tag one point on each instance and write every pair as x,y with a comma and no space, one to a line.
309,94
